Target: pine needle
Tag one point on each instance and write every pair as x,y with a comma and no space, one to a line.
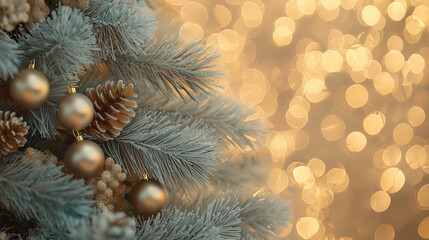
217,220
10,57
177,154
44,193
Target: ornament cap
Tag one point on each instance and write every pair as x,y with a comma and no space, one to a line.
77,136
32,64
144,176
70,88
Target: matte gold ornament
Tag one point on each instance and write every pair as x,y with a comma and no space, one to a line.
30,87
75,110
84,158
148,197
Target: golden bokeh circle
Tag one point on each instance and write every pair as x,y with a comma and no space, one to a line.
384,83
403,133
337,180
394,60
332,128
371,15
396,10
380,201
373,123
316,166
416,116
392,180
194,12
392,155
385,232
356,96
307,227
424,228
356,141
423,196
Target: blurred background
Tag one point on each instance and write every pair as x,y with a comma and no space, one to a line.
344,88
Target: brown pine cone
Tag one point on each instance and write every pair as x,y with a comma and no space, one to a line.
12,132
12,13
113,109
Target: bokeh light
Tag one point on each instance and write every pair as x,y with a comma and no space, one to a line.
384,232
356,141
344,87
380,201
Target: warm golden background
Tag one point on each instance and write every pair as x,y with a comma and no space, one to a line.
344,86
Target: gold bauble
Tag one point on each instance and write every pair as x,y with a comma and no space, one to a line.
84,159
29,88
75,111
148,197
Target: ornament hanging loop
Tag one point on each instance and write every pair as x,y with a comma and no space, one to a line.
32,64
144,176
77,135
70,88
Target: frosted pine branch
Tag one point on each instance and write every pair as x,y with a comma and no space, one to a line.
218,220
263,216
178,155
232,121
10,57
106,225
43,121
44,193
172,67
62,45
122,27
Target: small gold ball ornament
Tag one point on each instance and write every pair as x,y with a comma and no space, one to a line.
30,87
75,110
84,158
148,197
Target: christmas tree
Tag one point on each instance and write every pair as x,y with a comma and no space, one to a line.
111,129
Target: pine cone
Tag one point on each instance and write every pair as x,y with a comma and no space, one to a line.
13,12
38,12
113,109
12,132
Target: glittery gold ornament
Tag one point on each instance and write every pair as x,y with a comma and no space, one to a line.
75,110
84,158
148,197
30,87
